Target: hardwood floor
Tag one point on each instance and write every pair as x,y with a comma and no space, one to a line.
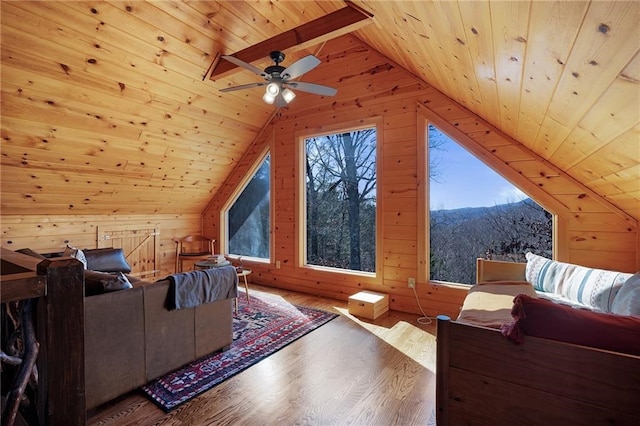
347,372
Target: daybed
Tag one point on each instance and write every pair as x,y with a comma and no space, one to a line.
537,377
131,334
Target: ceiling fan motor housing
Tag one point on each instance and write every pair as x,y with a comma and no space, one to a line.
277,56
274,71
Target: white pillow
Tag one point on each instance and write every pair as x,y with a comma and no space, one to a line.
76,254
627,301
593,287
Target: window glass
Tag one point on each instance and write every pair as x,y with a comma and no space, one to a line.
341,200
248,219
474,212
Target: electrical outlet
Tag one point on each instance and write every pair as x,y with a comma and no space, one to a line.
277,264
411,282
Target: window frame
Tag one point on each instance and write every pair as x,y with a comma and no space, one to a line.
425,117
239,188
301,196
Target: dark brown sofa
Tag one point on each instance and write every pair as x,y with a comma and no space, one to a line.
130,335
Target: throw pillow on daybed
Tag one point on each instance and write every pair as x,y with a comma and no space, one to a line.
627,301
544,318
596,288
101,282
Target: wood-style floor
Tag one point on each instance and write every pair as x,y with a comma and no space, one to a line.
347,372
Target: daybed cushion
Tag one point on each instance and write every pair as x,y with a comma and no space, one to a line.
101,282
549,320
627,302
488,304
107,260
593,287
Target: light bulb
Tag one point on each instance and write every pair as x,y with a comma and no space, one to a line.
273,89
288,95
268,98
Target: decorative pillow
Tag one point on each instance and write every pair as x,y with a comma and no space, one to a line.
592,287
627,301
100,282
107,260
544,318
77,254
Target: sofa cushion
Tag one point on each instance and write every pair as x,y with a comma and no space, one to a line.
76,254
107,260
596,288
627,301
100,282
544,318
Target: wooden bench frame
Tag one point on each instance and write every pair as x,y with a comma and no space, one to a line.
482,378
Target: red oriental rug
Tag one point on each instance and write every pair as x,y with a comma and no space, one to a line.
260,328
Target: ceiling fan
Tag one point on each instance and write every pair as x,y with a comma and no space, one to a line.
279,80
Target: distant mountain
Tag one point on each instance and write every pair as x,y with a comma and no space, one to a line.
467,213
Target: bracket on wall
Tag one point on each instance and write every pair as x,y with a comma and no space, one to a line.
343,21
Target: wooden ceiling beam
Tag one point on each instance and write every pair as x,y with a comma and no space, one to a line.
343,21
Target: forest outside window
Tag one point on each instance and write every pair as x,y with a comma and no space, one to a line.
474,212
340,200
249,217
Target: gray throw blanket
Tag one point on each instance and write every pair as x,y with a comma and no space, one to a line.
197,287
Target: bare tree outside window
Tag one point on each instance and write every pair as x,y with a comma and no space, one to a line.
341,200
248,219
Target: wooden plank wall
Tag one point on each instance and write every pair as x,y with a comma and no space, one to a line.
44,233
590,231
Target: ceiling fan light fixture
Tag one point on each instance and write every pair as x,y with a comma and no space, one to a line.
288,95
271,92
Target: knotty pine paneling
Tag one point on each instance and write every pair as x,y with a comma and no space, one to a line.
587,242
105,111
47,234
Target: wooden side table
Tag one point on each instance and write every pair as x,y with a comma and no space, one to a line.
244,272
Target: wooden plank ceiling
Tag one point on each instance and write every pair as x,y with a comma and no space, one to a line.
106,107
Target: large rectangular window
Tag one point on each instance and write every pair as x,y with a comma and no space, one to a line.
340,199
248,219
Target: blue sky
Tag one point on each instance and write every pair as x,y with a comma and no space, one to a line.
465,181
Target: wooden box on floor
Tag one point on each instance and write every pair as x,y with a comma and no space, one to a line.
368,304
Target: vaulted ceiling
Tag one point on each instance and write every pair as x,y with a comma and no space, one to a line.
107,106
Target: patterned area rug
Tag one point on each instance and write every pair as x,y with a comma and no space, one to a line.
262,327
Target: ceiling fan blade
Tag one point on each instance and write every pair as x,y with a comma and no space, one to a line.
243,86
318,89
245,65
300,66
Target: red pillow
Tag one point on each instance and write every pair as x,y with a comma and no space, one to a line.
544,318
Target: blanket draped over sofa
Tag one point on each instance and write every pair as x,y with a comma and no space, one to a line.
190,289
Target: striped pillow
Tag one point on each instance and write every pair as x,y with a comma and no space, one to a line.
593,287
